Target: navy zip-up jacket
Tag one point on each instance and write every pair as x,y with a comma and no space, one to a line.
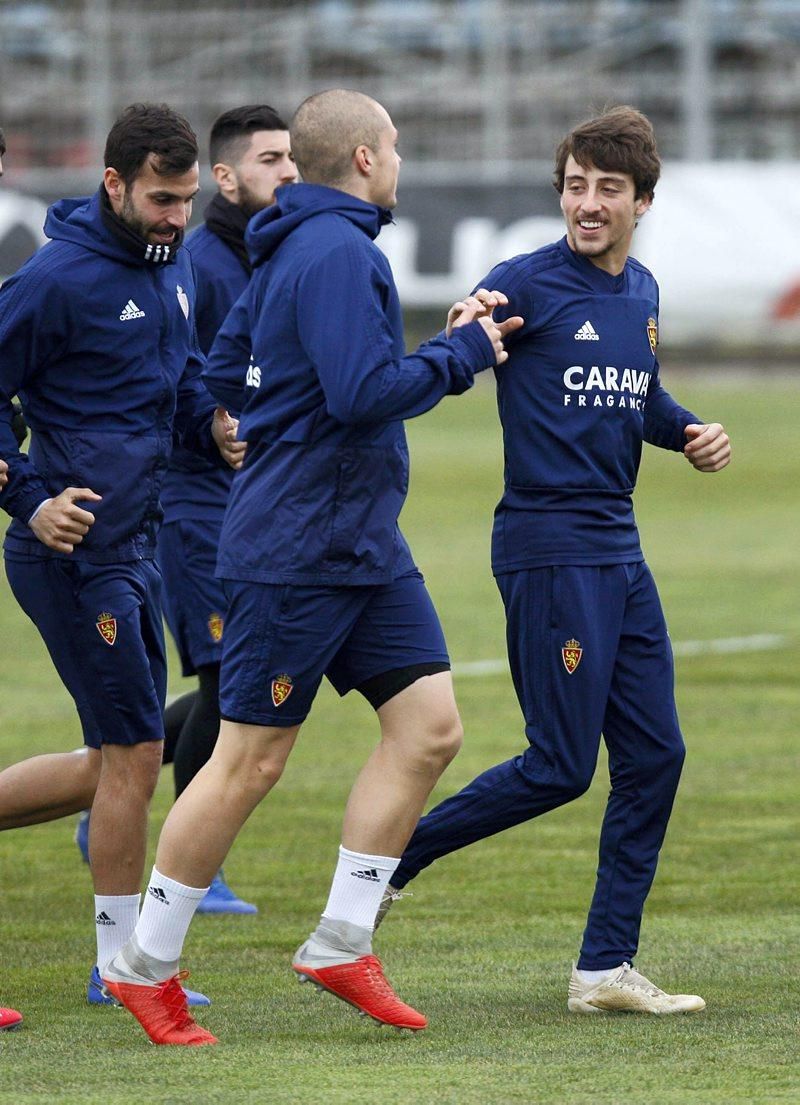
101,348
194,488
578,394
326,471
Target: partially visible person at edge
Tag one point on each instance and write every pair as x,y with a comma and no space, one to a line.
97,336
323,571
3,465
250,157
588,644
9,1018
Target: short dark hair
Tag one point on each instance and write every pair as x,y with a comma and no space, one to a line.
143,130
228,133
2,142
618,140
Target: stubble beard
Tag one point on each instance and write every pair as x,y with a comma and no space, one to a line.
130,216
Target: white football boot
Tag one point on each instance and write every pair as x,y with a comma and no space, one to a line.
627,991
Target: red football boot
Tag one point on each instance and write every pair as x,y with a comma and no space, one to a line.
363,984
9,1019
161,1010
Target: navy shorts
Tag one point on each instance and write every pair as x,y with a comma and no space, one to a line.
281,639
194,601
102,627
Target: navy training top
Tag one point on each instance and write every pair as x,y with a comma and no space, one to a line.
578,394
323,395
100,345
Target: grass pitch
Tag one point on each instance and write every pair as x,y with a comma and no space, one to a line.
485,944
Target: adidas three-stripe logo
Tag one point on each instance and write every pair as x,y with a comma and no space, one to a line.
158,893
587,332
369,873
104,919
129,311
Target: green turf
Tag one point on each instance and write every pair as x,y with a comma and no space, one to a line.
484,946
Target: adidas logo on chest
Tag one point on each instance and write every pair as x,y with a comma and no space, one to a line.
587,332
130,311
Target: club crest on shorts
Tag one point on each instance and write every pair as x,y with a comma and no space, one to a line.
652,334
183,299
281,689
107,627
215,624
571,655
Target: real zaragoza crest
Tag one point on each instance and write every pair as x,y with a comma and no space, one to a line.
107,627
215,624
183,299
571,655
281,689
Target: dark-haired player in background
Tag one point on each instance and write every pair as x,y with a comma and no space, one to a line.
587,640
250,157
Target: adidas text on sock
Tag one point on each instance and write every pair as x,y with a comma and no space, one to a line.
115,917
167,912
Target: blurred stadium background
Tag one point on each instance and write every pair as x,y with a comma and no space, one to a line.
481,91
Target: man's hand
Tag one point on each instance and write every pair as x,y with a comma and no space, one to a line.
3,474
480,303
478,308
223,430
708,448
59,523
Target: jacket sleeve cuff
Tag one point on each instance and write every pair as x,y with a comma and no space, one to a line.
37,509
477,345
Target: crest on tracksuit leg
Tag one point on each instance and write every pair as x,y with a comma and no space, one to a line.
107,627
571,655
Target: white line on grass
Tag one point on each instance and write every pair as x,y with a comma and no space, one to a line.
759,642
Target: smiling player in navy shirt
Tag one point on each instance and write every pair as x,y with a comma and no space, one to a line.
587,639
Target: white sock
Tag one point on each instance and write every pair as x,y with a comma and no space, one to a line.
115,917
358,886
167,912
597,976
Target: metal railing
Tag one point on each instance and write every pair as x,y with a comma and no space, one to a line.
479,88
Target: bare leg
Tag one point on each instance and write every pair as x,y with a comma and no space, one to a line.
420,734
118,831
246,763
45,788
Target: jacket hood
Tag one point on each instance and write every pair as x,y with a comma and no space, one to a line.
294,203
81,221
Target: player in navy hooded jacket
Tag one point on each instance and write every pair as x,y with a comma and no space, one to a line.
587,640
97,337
320,579
250,158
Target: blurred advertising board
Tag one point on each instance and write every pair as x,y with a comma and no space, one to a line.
719,239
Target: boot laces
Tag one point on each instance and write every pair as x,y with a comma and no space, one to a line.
635,981
170,992
378,980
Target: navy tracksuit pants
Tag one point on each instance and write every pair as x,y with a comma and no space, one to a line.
589,655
